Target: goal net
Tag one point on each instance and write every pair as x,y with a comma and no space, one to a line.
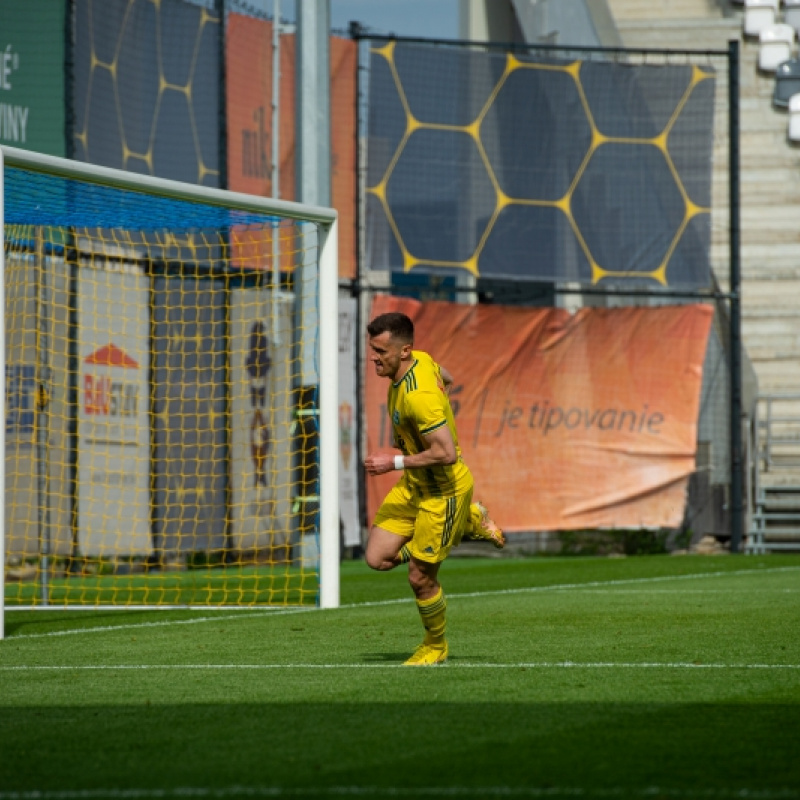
170,399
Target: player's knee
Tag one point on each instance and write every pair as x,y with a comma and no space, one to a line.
381,551
377,560
374,561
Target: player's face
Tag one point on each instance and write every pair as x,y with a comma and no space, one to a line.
388,355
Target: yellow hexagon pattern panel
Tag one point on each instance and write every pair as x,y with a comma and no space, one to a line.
542,169
146,96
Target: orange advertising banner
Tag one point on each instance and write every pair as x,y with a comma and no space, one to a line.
248,64
248,92
567,421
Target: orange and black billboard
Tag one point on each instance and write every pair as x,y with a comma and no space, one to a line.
567,421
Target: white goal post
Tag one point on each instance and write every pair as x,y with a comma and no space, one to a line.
316,355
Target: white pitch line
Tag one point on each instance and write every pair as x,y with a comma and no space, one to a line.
398,601
682,591
695,793
451,665
625,581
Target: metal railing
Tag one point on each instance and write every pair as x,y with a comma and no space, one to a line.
779,430
775,524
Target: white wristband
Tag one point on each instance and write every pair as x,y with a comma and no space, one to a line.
399,462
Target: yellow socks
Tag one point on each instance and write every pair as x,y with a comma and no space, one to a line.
432,614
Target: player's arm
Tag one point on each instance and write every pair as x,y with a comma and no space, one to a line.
441,451
447,378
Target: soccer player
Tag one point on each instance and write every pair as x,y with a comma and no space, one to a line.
430,507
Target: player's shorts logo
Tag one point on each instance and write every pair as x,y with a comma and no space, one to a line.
396,417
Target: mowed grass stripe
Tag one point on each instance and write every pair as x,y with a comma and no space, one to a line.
221,617
452,665
272,612
401,791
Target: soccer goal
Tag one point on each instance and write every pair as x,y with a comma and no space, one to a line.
171,425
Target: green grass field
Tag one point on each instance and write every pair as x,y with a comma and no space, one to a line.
649,677
232,584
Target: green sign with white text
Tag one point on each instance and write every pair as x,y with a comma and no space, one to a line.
32,75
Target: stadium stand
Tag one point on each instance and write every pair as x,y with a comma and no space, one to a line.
794,118
791,14
759,14
776,45
787,82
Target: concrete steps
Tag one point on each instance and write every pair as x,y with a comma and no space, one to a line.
761,292
662,10
776,374
654,31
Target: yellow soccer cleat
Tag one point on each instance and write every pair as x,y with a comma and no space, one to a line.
428,655
485,528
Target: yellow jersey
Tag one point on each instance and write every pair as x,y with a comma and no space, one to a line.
418,405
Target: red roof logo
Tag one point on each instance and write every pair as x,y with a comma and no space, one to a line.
111,356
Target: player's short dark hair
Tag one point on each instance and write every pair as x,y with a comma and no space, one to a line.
398,324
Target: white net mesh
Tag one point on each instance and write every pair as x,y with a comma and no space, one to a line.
161,418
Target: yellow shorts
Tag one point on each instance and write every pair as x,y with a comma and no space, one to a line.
433,524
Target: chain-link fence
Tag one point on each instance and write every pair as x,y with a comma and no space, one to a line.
575,188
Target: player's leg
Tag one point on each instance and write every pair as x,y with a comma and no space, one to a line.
439,524
385,549
482,527
392,529
432,608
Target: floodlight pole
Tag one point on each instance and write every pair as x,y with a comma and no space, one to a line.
737,460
